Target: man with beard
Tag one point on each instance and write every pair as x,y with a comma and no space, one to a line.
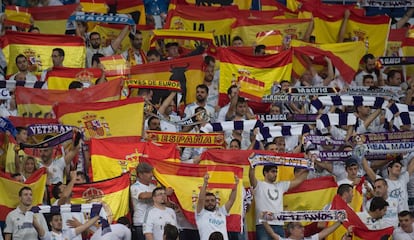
23,65
209,217
210,81
201,101
135,55
158,216
369,69
58,232
95,45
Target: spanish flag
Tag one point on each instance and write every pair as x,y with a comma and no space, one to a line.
9,201
112,193
372,31
52,19
122,119
407,48
110,158
17,16
327,25
360,230
270,5
38,50
255,74
241,4
115,66
59,78
110,32
248,28
179,69
395,39
220,183
203,19
94,6
38,103
131,6
269,38
26,121
181,36
342,55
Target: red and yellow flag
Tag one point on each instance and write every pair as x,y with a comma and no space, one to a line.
94,6
59,78
110,158
115,66
52,19
26,121
202,140
395,39
255,74
203,19
9,201
123,118
342,55
240,4
327,25
131,6
248,28
112,193
38,50
220,183
38,103
407,47
17,16
179,69
270,38
110,32
372,31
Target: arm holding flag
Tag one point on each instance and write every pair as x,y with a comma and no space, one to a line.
410,167
300,176
202,196
80,229
65,197
117,42
233,195
371,174
252,177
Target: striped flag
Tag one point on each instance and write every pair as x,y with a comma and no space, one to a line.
407,49
131,6
112,193
17,16
94,6
115,66
38,103
44,16
256,74
269,38
395,39
110,157
122,118
181,36
327,24
38,50
9,201
59,78
220,183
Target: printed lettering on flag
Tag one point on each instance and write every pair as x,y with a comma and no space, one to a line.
255,74
38,50
109,158
122,118
112,193
9,201
38,103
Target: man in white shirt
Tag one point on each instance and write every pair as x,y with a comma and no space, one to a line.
58,56
201,101
23,66
209,217
158,216
21,223
406,229
119,231
135,55
58,233
141,195
369,69
269,197
373,218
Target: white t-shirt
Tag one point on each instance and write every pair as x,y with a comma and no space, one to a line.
155,220
30,77
106,51
69,215
398,189
190,110
140,205
167,126
370,222
391,216
64,235
20,225
313,237
269,198
55,170
118,232
399,234
209,222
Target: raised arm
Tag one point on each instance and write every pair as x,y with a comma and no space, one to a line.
117,42
325,232
202,196
300,177
270,231
232,108
410,168
372,117
71,153
166,103
331,74
371,174
65,197
85,226
233,195
342,29
41,232
252,177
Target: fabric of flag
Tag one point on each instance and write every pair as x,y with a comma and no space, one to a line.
220,183
255,74
9,201
407,49
123,118
395,39
38,103
110,32
112,193
44,17
327,25
240,4
179,69
360,230
372,31
110,158
131,6
248,28
115,65
94,6
203,19
270,5
17,16
59,78
185,38
38,50
26,121
342,55
269,38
